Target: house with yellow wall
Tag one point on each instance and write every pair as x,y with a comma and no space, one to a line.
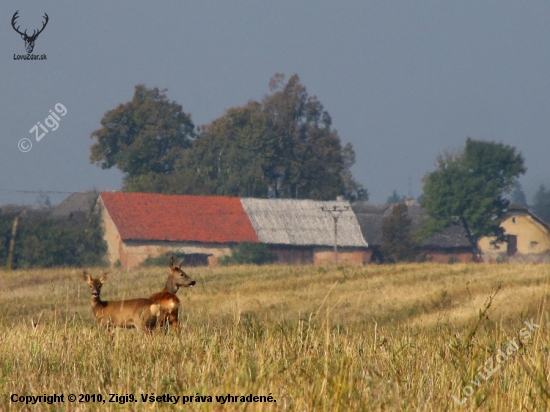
528,238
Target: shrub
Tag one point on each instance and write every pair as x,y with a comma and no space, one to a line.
45,242
248,252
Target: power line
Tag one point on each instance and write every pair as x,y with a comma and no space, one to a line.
36,191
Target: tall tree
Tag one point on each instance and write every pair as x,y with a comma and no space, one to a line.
395,198
470,187
311,161
541,204
517,195
234,155
397,244
283,146
143,136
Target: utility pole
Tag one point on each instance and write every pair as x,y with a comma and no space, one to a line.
335,212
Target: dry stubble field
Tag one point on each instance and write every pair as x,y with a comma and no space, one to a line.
404,337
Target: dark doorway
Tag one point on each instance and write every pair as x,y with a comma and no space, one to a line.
512,245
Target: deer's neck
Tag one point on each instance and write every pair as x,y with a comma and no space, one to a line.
97,303
171,285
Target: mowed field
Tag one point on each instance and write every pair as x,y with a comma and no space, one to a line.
396,337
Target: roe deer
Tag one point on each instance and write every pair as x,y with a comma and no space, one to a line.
167,298
141,313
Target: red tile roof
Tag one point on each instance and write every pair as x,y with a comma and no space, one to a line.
147,216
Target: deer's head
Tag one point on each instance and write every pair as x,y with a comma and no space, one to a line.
181,279
29,40
94,284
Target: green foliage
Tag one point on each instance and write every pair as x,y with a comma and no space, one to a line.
233,156
395,198
282,147
469,188
142,136
248,252
397,244
163,259
188,259
517,195
44,242
541,204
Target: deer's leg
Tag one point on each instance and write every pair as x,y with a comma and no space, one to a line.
173,320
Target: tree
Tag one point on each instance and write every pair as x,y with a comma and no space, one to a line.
248,253
395,198
47,242
233,156
469,187
541,204
143,136
353,190
311,162
283,146
397,241
517,195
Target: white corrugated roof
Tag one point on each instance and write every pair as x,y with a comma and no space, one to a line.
302,222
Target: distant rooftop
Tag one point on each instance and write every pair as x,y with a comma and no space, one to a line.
302,222
184,218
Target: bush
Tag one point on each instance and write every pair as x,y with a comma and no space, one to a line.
189,259
248,252
45,242
397,244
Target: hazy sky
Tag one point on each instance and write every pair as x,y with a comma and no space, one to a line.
402,81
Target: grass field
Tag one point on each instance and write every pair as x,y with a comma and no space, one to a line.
404,337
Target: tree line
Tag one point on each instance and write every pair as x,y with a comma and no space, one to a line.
282,147
41,241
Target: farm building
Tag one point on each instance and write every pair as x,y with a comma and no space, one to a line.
528,238
76,207
451,245
142,225
301,232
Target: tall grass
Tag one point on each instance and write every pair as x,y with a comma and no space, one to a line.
404,337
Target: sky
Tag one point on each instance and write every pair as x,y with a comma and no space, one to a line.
402,81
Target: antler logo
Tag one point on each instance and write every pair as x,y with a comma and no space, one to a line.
29,40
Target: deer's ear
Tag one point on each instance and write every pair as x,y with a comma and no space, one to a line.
181,263
23,36
103,278
86,277
171,263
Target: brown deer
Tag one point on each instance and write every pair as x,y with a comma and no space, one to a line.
140,313
167,298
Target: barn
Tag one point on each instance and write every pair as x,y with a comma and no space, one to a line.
450,245
142,225
302,231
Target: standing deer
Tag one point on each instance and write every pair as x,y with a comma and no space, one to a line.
29,40
141,313
167,298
